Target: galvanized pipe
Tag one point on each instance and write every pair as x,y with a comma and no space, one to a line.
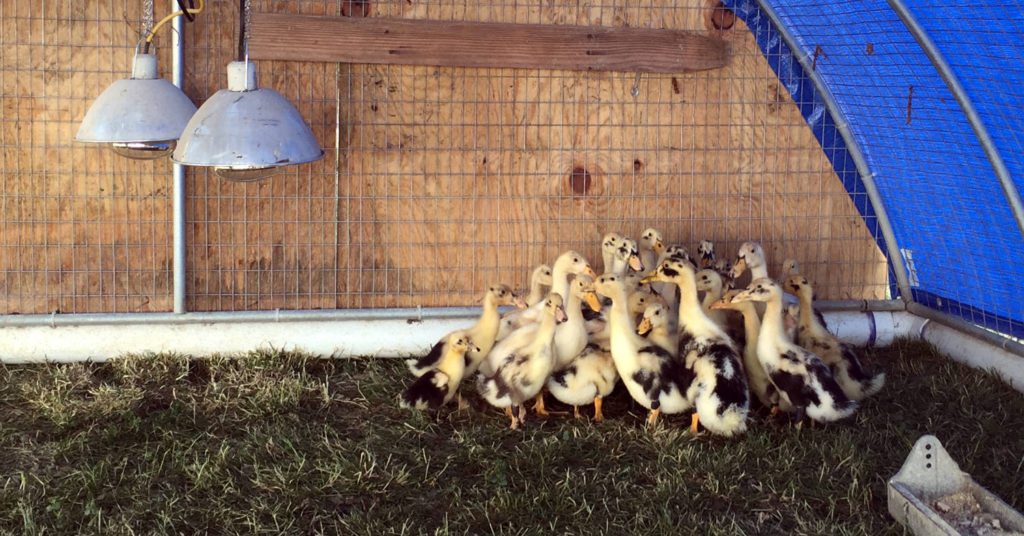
958,91
973,330
178,187
866,176
411,316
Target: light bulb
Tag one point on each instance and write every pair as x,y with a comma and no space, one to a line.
248,174
144,150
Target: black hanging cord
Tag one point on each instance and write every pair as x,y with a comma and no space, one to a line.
191,5
241,30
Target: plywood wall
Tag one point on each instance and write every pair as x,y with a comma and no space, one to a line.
436,181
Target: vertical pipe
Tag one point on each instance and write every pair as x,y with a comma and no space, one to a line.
958,91
866,176
178,189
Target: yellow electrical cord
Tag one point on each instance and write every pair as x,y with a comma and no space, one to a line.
192,11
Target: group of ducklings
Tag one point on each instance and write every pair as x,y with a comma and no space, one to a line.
673,349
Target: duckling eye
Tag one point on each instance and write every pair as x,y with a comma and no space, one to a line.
574,259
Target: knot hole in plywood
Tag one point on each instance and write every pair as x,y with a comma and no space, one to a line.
355,8
583,183
719,17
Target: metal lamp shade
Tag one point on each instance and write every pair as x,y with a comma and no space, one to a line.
246,132
141,117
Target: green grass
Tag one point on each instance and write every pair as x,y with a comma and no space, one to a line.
279,443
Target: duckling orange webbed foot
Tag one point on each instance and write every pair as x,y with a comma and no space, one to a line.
598,416
538,407
653,417
693,423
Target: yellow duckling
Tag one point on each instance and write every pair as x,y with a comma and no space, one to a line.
438,385
483,333
855,382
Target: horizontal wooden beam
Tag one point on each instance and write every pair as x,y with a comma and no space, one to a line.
480,44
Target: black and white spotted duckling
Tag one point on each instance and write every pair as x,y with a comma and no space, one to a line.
587,379
654,378
839,356
799,374
437,386
521,372
720,393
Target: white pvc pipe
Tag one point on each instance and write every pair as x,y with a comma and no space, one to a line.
399,333
402,333
975,352
335,338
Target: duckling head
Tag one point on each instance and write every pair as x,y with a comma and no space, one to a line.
709,281
609,285
553,305
759,290
790,267
706,250
461,343
583,287
652,240
677,252
574,263
671,270
797,285
655,317
502,295
542,275
750,256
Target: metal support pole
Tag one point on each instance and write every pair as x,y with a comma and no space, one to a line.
866,176
178,189
953,83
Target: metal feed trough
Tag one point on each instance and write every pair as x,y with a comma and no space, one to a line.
930,495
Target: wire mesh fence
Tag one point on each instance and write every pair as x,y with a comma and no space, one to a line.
437,181
82,230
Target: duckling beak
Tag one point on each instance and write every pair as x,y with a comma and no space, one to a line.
738,268
645,327
589,272
634,263
474,348
658,247
592,301
650,278
720,304
560,315
519,302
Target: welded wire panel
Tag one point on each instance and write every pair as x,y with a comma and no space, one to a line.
82,230
950,216
436,181
440,181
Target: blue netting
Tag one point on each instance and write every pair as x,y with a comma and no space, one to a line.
947,208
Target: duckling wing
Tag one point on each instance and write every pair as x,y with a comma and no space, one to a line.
855,381
419,366
791,378
428,391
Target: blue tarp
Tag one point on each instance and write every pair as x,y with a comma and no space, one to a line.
949,214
